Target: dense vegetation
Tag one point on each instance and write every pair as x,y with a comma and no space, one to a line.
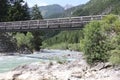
64,41
95,7
18,12
69,37
102,38
3,10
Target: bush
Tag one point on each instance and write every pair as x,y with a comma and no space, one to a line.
24,40
100,38
82,45
115,57
95,47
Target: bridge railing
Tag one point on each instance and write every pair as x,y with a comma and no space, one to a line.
49,23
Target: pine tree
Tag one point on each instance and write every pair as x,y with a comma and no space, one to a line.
26,12
36,14
18,11
3,10
37,41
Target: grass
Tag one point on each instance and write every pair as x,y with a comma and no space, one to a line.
64,46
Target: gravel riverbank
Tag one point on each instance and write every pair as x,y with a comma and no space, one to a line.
63,70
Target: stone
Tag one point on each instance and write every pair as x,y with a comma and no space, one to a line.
77,74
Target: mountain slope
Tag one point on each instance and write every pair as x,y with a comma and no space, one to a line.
93,7
50,10
66,13
96,7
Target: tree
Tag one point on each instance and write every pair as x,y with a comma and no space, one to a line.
37,40
6,40
18,11
3,10
36,14
26,12
24,40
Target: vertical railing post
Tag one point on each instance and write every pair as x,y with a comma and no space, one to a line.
82,22
91,18
47,24
101,17
20,25
5,25
28,25
37,24
70,20
13,25
58,23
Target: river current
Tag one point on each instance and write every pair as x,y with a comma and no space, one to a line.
8,63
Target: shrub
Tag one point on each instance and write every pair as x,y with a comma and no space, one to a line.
24,40
100,38
95,44
82,45
115,57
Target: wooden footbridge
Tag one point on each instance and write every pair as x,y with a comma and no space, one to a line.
48,24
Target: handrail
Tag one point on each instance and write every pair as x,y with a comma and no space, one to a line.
48,23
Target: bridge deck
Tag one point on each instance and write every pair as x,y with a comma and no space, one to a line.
48,24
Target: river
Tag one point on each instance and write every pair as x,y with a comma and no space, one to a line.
8,63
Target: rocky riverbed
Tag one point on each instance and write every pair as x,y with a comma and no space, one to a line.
63,70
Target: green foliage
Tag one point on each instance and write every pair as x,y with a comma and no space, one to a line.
3,9
95,47
100,37
36,14
37,40
95,7
110,18
31,40
115,57
82,45
24,40
18,11
117,26
75,46
65,36
64,46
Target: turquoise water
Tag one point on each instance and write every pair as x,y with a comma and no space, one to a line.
8,63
